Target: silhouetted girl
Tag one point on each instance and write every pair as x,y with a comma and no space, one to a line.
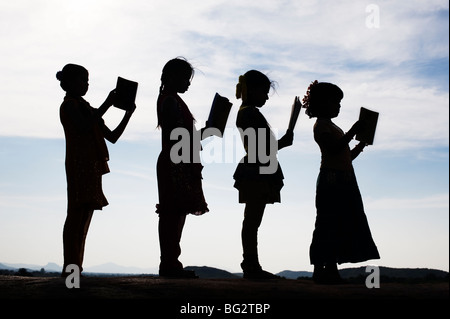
258,176
341,231
86,158
179,182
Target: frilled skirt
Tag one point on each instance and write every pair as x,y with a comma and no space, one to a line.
341,233
179,187
255,186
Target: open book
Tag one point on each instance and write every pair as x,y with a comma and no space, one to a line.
126,93
218,115
295,111
370,119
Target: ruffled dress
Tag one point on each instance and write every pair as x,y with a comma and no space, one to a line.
179,184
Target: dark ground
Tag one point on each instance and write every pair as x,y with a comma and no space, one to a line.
169,296
154,287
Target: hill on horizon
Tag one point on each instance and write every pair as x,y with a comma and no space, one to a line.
212,273
207,272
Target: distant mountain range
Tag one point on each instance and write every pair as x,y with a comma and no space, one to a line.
108,268
214,273
49,267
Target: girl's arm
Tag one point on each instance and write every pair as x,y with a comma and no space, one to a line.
357,127
114,135
110,100
335,147
286,140
202,132
357,150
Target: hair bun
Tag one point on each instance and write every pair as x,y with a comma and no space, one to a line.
59,75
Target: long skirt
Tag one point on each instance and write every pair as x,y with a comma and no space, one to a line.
341,233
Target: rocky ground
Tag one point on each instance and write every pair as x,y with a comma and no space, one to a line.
183,297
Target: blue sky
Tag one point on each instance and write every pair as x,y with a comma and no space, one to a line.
399,68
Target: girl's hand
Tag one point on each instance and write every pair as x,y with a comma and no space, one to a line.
286,140
289,136
131,110
111,99
297,102
357,128
360,146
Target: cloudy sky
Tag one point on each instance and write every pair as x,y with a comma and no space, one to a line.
388,56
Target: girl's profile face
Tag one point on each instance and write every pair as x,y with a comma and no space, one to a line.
179,82
183,84
331,109
259,96
79,85
334,107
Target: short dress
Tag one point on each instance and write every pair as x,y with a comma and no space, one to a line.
342,232
179,184
86,154
254,185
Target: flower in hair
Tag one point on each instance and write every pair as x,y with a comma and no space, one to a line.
307,97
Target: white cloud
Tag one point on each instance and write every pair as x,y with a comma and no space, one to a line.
294,42
429,203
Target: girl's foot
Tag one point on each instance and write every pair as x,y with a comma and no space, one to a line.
327,276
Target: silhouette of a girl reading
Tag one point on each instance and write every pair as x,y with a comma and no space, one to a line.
341,231
86,157
257,183
179,182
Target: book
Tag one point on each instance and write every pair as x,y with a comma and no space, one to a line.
370,119
125,93
295,111
218,115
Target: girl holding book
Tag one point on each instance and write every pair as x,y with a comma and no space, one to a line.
86,157
179,182
341,231
258,176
